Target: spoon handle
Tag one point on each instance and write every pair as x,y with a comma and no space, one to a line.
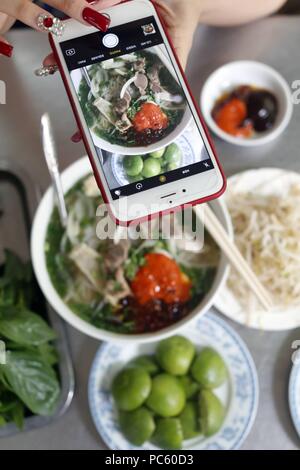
52,163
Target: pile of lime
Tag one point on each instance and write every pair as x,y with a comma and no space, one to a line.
168,397
139,167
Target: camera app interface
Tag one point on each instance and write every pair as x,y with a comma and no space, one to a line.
137,113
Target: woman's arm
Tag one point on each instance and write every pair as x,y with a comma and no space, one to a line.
234,12
183,16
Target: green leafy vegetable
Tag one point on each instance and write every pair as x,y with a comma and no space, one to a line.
24,327
104,317
136,260
28,381
16,281
48,353
201,279
11,408
33,381
136,257
17,413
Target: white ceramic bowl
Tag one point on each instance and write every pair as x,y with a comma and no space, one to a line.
253,73
114,148
70,176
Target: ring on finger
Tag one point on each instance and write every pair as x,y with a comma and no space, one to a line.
50,24
46,70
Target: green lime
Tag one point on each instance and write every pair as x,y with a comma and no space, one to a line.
172,166
157,153
135,179
137,426
173,154
211,413
131,387
189,421
133,164
189,386
175,355
209,369
151,167
168,433
146,362
167,397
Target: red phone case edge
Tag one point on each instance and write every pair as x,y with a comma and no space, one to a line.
90,155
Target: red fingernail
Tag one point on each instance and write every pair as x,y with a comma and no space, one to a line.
94,18
6,49
76,137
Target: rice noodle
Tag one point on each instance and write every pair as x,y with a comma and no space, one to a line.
267,232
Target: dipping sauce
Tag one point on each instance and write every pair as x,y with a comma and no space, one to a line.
246,111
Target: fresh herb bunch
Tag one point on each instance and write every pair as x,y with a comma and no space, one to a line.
28,379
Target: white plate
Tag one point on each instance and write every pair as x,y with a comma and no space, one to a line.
239,395
185,142
265,181
294,396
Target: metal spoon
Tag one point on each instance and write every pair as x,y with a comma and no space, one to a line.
85,74
52,163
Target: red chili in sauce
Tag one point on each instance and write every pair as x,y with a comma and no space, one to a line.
160,279
231,116
150,116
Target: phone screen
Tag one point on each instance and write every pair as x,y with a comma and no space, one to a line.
139,118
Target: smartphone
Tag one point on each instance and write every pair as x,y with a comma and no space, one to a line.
146,140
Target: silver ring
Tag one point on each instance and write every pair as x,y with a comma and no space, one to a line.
46,70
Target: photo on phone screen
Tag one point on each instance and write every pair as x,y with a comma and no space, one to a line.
135,108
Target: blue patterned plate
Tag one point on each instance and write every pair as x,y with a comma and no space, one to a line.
294,395
188,142
239,395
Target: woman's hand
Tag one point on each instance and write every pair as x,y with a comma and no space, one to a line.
181,18
32,15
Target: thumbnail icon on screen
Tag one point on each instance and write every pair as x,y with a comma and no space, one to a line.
148,29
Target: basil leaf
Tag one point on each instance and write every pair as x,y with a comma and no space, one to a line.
24,327
15,270
17,414
11,409
33,381
48,353
3,421
16,282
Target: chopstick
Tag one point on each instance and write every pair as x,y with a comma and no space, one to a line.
219,234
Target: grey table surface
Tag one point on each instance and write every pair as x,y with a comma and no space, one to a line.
274,41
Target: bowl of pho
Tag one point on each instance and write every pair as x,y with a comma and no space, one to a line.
132,103
123,288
